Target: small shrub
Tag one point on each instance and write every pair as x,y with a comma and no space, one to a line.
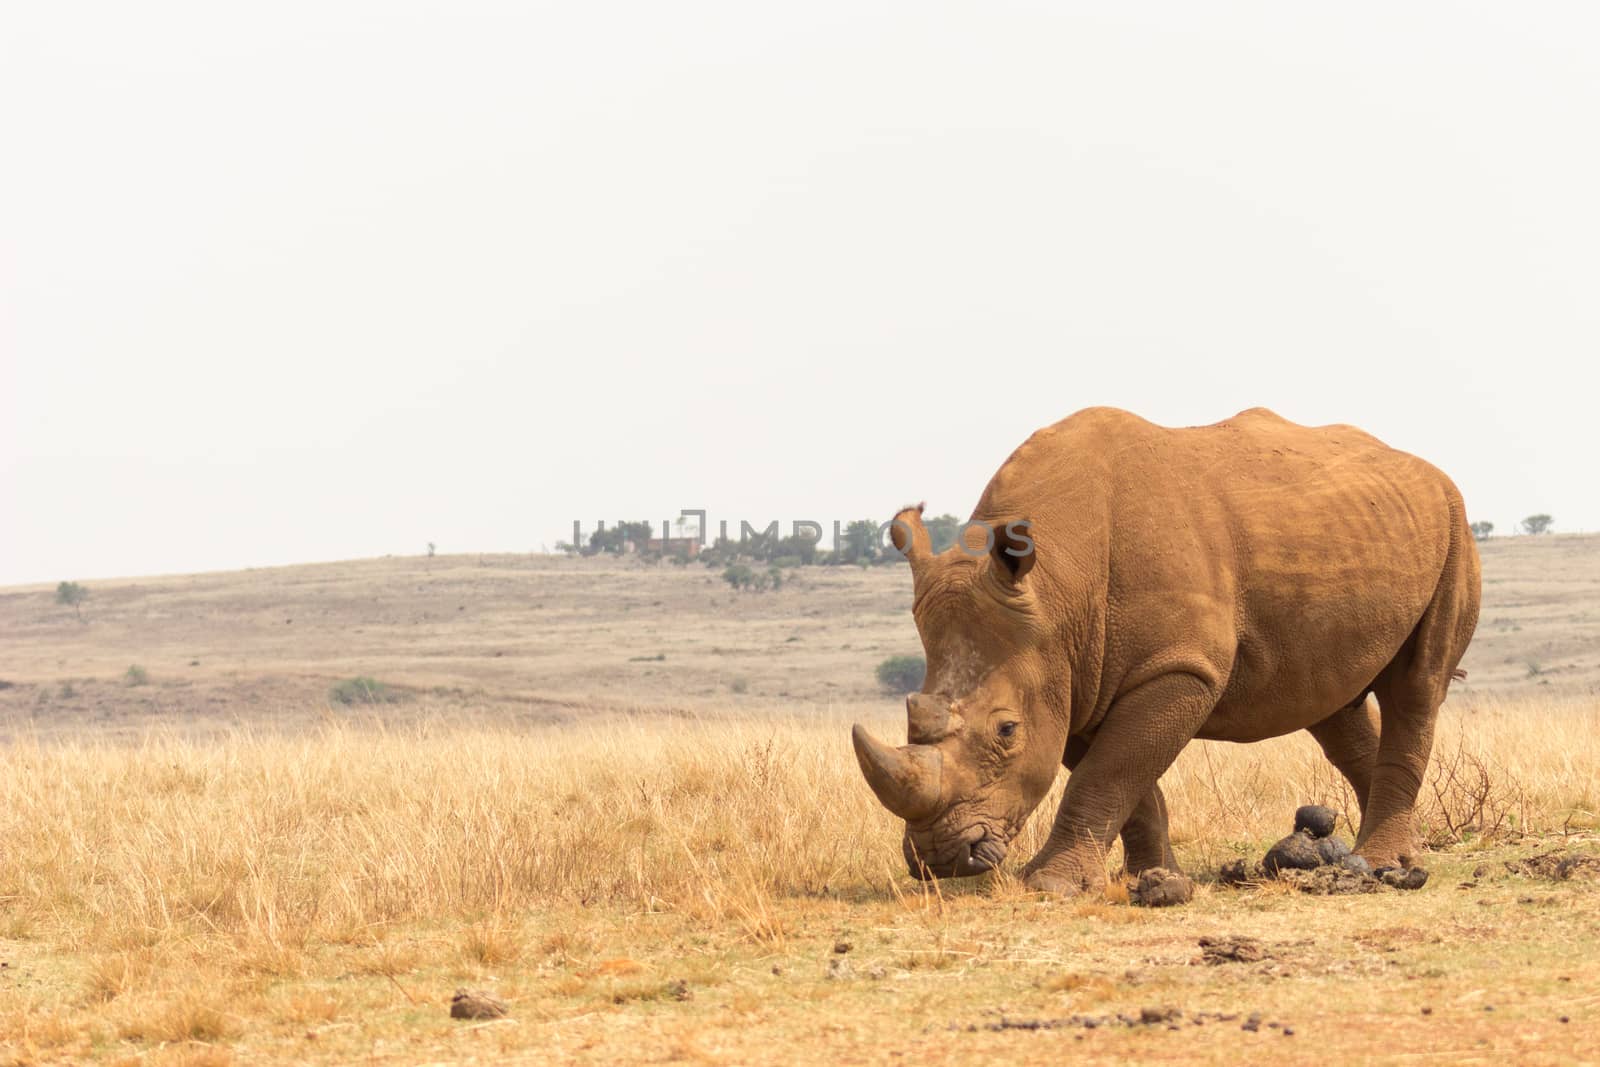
363,691
740,576
740,685
902,674
136,675
73,595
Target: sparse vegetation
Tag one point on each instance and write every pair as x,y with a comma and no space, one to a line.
72,595
902,674
1537,524
363,691
136,675
700,878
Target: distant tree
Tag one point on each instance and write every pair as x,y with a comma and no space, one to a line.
1537,524
943,531
616,539
858,542
73,595
1482,530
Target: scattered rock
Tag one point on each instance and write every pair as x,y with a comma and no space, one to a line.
679,990
1403,877
1297,852
1161,888
1315,819
1480,871
1253,1023
877,973
476,1004
1171,1018
777,968
1232,949
1234,872
842,947
839,969
1557,866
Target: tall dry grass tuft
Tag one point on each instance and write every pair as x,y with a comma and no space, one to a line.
270,842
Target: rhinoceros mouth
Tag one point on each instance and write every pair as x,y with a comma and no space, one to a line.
975,851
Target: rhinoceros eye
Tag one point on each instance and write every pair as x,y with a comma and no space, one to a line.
1007,728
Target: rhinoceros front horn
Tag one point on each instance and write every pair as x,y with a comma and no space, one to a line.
905,779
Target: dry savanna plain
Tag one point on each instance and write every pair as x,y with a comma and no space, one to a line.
619,798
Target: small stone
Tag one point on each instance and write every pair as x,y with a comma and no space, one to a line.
1233,872
476,1004
1480,870
1161,888
777,968
1253,1023
1563,1019
1220,950
1315,819
841,947
1297,852
1403,877
1427,1010
680,990
838,969
877,973
1288,1031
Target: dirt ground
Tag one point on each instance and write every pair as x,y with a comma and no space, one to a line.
541,638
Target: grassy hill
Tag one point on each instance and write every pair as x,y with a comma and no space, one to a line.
535,638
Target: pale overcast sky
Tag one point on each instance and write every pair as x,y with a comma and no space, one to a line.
304,281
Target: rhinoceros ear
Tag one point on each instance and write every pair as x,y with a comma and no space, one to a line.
1013,551
910,537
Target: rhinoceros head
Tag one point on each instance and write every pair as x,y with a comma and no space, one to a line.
984,736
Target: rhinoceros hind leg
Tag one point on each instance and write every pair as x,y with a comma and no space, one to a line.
1409,692
1349,738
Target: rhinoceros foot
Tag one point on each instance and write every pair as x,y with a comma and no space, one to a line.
1052,883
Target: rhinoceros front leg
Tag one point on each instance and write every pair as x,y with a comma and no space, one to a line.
1146,840
1142,734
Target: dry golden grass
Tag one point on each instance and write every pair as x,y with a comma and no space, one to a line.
319,896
